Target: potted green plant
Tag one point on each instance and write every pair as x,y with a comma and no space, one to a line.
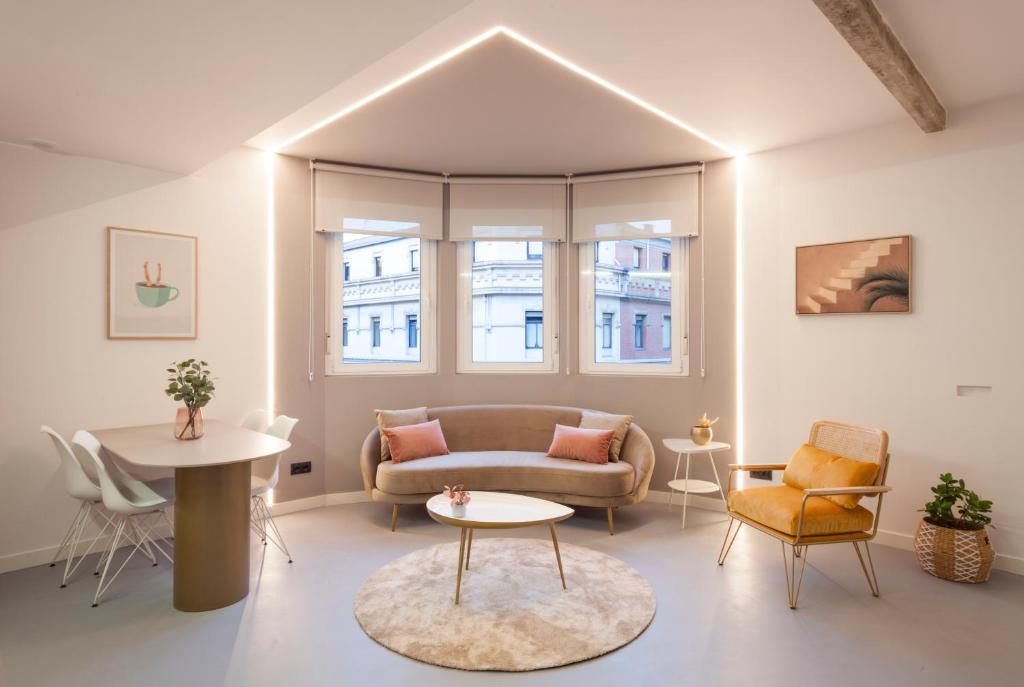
951,541
190,382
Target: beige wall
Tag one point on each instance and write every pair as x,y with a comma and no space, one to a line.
959,194
58,367
663,406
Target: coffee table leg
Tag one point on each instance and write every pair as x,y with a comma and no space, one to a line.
462,551
469,547
558,556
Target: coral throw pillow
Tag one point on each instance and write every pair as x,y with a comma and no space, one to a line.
590,445
416,441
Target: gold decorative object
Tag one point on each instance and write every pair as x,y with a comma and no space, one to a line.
701,432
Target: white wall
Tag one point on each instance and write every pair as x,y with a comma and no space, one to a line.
58,367
959,193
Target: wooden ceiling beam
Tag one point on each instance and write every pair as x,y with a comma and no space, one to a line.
863,27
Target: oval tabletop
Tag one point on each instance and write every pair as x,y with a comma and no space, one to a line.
492,509
154,446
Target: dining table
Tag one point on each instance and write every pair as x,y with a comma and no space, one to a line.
212,501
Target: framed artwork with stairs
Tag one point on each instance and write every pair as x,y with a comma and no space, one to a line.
866,276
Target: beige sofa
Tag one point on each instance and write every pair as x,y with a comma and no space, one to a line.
503,448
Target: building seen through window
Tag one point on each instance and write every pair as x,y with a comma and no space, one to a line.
633,301
381,299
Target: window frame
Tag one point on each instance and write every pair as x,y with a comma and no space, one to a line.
679,366
465,254
640,331
335,364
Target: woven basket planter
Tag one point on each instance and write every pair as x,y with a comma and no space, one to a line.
958,555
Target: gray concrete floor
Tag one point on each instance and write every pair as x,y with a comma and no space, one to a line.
714,626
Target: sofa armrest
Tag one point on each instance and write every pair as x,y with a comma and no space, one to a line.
638,451
369,459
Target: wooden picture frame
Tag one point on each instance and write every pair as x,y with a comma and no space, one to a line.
152,284
854,277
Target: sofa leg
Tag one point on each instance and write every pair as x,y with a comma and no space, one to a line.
611,523
394,516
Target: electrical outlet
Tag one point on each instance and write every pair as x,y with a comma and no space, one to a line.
761,474
302,468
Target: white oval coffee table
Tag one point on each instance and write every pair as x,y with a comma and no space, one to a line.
497,510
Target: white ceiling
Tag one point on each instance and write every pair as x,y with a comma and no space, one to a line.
500,107
175,85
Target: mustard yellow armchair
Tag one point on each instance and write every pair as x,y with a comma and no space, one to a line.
818,502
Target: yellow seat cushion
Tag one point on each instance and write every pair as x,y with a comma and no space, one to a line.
812,468
779,509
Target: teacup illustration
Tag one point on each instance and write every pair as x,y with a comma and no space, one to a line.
152,293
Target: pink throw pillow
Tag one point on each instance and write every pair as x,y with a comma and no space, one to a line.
590,445
410,442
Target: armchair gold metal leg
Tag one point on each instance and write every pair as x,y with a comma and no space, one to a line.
727,542
558,556
611,523
462,552
793,583
872,580
469,548
394,516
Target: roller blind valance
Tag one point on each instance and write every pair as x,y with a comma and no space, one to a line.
663,205
384,205
496,211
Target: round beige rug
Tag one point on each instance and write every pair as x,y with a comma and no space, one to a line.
513,613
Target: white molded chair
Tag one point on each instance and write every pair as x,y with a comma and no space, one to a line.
80,482
256,420
265,474
136,509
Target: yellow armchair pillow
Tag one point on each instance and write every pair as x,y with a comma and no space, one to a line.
812,468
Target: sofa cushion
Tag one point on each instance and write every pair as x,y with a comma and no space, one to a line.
620,423
589,445
397,418
505,471
410,442
779,508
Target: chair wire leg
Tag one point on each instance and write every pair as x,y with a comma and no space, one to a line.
273,533
100,588
870,577
143,540
793,583
148,538
67,535
81,520
727,542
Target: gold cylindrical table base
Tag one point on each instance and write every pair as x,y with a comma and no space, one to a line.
211,536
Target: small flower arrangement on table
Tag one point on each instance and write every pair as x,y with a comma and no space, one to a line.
459,498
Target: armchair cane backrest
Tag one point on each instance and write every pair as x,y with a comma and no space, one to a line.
855,442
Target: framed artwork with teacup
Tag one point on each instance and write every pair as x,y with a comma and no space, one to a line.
152,284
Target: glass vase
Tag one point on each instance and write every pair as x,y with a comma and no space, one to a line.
188,424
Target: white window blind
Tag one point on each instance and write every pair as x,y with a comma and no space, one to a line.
512,211
658,205
368,203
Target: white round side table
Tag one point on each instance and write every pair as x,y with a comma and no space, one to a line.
694,486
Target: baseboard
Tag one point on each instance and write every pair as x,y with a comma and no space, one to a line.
898,540
295,505
30,559
341,498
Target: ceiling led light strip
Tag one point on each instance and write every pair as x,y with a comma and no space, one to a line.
523,40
